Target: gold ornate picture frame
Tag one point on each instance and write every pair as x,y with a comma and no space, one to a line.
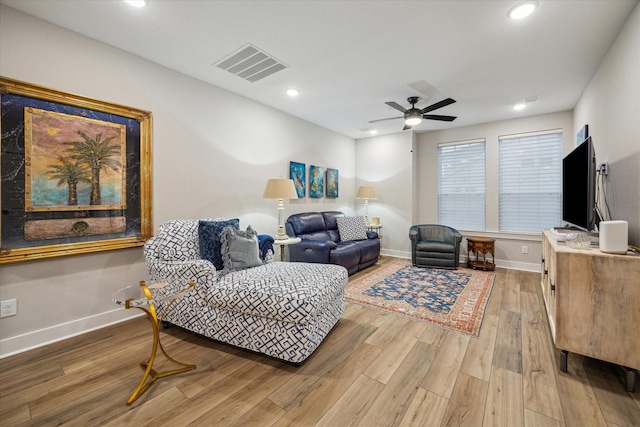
75,174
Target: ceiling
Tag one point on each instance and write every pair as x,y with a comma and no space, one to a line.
347,58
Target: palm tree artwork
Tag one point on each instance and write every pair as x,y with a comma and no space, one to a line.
97,154
69,173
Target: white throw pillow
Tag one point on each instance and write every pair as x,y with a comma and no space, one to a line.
351,228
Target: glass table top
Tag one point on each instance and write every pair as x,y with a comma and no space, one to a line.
136,297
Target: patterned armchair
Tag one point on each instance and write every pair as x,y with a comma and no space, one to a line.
283,310
434,245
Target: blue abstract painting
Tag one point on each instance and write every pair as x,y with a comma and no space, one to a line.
316,181
332,183
297,172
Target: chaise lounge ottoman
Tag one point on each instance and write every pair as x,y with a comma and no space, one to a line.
283,310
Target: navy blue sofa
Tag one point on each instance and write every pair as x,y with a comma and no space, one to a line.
321,242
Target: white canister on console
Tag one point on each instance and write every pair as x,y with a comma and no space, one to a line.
614,237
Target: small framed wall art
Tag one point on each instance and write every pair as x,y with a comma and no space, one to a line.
297,172
332,183
316,181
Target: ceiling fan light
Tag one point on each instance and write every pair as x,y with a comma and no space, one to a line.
413,116
519,106
412,120
522,10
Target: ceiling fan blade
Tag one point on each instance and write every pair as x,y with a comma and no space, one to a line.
438,117
396,106
381,120
437,105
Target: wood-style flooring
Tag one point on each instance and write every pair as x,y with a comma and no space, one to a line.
374,369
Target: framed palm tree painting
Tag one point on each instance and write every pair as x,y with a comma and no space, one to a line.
76,174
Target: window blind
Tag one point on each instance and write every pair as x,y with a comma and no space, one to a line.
461,185
530,181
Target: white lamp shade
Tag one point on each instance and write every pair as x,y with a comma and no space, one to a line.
280,188
366,192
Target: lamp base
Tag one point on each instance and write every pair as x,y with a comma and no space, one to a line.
281,235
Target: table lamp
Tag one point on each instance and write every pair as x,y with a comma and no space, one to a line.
366,192
280,188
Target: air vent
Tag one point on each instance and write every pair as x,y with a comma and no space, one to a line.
250,63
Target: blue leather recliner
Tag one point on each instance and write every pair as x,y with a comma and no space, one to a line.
321,242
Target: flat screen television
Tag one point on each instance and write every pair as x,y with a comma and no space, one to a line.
579,187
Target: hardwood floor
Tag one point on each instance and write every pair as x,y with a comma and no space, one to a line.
373,369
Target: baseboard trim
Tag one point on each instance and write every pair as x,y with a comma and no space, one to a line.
42,337
501,263
395,254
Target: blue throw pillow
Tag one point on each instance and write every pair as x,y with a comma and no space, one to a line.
210,242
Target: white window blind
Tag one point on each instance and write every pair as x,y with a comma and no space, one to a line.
530,182
461,185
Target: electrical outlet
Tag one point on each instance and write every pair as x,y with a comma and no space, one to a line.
525,249
8,307
604,169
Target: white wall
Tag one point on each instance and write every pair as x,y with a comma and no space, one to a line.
385,163
610,105
508,245
207,162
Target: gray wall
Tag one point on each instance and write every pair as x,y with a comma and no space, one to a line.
385,162
610,105
206,163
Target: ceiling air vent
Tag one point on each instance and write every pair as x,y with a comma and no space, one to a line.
250,63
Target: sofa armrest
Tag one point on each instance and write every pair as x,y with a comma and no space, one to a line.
414,233
177,274
312,251
372,234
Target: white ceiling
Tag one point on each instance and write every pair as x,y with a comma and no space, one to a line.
348,57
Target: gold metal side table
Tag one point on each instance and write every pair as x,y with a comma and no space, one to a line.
143,298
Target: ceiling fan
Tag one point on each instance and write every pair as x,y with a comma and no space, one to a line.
414,116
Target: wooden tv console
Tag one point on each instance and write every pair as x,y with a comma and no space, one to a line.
593,304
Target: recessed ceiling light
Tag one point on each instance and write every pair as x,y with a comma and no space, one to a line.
293,92
522,103
136,3
522,10
373,131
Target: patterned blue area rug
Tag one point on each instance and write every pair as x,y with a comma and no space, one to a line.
452,299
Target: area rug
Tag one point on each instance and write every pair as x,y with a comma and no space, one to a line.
452,299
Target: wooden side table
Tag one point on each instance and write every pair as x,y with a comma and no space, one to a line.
481,246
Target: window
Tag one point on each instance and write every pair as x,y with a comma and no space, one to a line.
530,182
461,185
